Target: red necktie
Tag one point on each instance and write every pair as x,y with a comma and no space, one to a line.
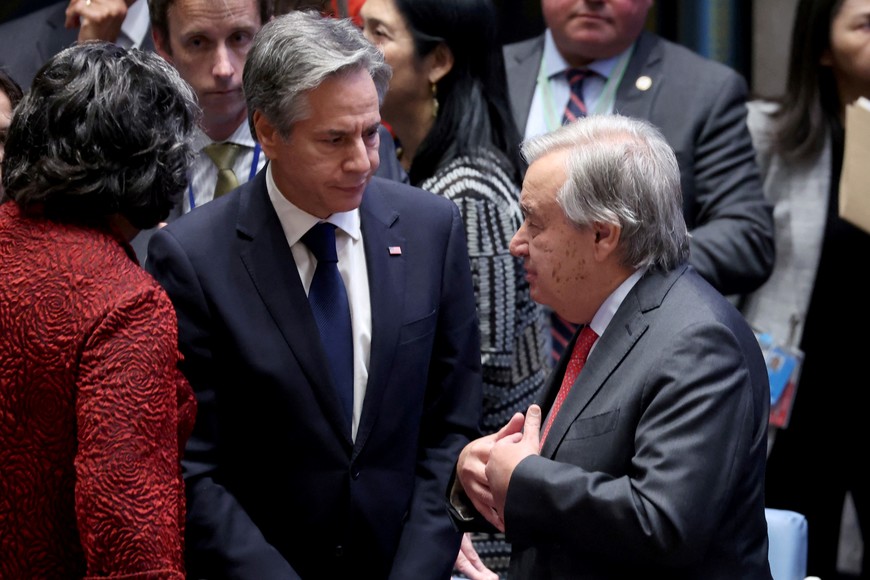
575,365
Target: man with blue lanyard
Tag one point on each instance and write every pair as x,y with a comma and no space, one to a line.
698,104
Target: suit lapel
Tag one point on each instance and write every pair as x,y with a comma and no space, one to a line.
387,290
642,80
269,262
612,349
522,63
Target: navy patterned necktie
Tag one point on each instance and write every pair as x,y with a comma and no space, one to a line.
328,298
575,108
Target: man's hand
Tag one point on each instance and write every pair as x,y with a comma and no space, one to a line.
97,19
468,562
507,453
470,469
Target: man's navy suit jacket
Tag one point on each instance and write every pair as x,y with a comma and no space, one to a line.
276,487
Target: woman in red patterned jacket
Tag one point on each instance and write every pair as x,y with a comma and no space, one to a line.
93,410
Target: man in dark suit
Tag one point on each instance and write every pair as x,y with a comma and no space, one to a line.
282,481
26,43
697,103
653,455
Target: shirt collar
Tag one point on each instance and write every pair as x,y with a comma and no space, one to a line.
296,222
611,304
555,64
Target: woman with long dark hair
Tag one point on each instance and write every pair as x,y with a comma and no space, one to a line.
812,300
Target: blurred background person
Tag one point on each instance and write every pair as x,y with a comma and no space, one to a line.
30,40
598,56
207,44
94,412
10,95
447,105
812,299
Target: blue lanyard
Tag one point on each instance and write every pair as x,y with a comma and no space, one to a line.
253,172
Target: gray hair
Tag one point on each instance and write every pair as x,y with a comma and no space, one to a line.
621,171
293,54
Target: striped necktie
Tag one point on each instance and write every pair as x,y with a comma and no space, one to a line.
561,330
575,108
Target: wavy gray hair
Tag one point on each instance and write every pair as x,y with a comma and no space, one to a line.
622,171
293,54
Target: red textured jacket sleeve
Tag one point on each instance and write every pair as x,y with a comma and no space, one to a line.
135,411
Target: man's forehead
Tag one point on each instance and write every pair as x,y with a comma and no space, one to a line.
217,10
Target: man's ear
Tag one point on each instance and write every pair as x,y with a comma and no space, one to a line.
440,62
267,134
606,239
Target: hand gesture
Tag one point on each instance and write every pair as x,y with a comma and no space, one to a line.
470,469
468,562
506,454
97,19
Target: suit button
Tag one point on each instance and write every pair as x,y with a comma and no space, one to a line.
355,475
339,551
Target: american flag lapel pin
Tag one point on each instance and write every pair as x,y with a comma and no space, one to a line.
395,250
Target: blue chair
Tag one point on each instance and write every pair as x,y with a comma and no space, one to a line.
787,536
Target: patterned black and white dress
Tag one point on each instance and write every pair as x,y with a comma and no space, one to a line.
513,328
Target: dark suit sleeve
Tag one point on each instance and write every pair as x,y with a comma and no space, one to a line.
221,539
732,243
453,406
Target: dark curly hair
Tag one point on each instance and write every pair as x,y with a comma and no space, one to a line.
102,131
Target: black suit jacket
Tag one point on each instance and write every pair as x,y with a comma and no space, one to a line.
276,487
26,43
700,107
